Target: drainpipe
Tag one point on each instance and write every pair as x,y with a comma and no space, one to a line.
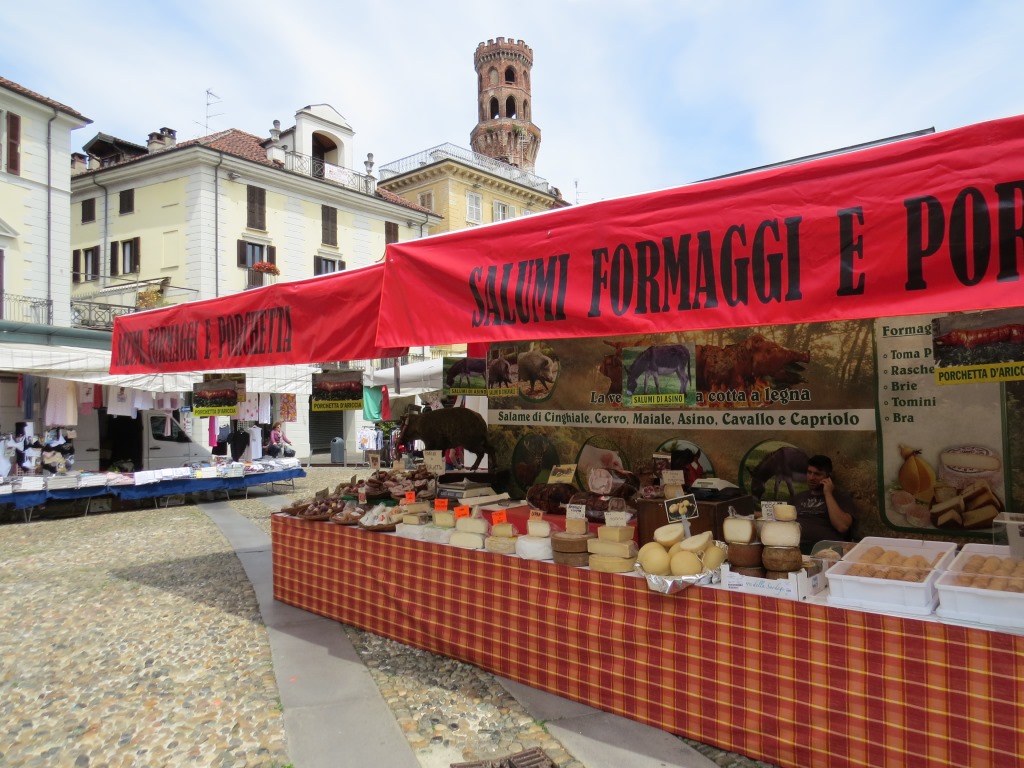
216,226
49,217
105,250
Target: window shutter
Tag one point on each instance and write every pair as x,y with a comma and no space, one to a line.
241,254
262,195
127,201
257,207
272,254
136,254
114,266
14,144
76,266
250,204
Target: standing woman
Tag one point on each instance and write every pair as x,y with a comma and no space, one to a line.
278,441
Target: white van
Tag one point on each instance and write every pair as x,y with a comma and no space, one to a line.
153,440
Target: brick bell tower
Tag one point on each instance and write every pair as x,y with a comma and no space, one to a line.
504,128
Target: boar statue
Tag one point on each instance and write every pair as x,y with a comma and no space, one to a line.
447,428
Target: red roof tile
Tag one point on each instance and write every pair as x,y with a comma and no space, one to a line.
12,86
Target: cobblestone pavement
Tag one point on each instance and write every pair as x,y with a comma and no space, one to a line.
134,639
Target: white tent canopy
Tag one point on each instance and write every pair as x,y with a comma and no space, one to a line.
413,378
93,366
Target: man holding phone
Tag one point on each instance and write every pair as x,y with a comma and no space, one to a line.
824,513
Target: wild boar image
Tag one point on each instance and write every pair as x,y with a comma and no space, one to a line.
536,367
499,373
668,359
446,428
739,366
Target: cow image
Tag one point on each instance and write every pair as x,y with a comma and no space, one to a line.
740,366
665,360
783,465
536,367
499,373
447,428
463,369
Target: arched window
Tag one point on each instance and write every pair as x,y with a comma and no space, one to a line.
510,108
526,109
510,75
495,113
492,75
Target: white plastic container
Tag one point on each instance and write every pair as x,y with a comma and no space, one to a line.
880,594
974,604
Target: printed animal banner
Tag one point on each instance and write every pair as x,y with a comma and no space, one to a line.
758,403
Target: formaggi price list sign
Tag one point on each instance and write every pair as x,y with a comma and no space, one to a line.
337,391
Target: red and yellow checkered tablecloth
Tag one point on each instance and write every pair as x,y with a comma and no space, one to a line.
779,680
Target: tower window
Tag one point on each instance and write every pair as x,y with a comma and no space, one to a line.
510,75
495,112
510,108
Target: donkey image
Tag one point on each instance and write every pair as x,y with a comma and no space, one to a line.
463,369
674,358
783,465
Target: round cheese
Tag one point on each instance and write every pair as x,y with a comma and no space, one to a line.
697,543
504,530
667,535
714,556
467,540
609,564
738,530
784,512
654,559
534,547
500,545
685,563
775,533
472,525
745,555
782,558
538,528
570,542
575,559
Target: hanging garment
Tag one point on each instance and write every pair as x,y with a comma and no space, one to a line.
85,398
238,442
249,409
372,403
385,403
142,400
61,403
119,401
255,442
212,429
286,408
264,414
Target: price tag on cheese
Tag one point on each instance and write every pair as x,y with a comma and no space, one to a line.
673,477
441,505
434,462
362,496
499,516
536,514
575,511
461,511
410,497
616,518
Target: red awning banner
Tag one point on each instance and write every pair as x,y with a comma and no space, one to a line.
926,225
322,319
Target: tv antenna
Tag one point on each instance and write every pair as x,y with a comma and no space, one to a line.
211,99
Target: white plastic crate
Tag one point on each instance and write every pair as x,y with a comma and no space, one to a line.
881,594
976,604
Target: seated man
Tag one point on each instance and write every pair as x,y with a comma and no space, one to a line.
824,512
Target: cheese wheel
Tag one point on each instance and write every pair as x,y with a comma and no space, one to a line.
775,533
444,518
500,545
754,573
539,528
745,555
784,512
504,530
714,556
667,535
608,564
574,543
416,518
654,559
782,558
612,548
472,525
685,563
697,543
534,547
467,540
616,533
435,534
768,574
738,530
575,559
576,525
408,531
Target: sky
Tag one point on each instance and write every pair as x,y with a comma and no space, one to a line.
631,96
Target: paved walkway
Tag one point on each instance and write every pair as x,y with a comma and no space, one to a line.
322,681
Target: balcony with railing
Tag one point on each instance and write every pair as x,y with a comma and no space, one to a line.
25,309
98,316
452,152
318,168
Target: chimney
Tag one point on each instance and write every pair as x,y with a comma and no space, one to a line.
79,163
276,152
155,143
170,137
